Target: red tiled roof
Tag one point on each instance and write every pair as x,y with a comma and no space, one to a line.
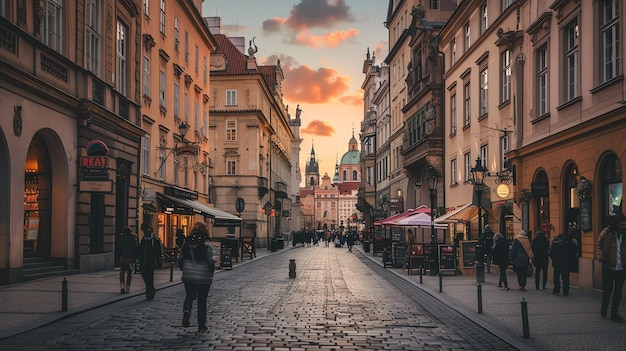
235,60
347,187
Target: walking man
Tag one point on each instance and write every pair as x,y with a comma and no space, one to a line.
612,254
150,258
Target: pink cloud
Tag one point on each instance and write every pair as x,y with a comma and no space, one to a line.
305,85
330,39
355,99
319,128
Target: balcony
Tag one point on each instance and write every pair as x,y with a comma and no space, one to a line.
262,184
280,189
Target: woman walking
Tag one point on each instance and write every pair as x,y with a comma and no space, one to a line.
128,252
197,263
521,256
500,254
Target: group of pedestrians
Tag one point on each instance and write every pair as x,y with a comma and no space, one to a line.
563,253
147,253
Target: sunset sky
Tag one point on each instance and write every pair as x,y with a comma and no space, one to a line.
321,45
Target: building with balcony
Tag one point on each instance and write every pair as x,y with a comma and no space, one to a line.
254,138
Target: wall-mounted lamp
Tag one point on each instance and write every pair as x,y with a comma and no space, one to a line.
85,117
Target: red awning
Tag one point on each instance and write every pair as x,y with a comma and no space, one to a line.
392,220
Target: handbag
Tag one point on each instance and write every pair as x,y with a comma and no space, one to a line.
197,272
125,261
529,270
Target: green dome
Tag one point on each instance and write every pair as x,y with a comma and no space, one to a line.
352,157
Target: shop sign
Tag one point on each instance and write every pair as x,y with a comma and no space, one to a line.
96,186
94,167
539,189
503,191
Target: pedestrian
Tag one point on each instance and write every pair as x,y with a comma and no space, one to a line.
180,238
563,255
540,246
500,252
521,256
488,240
612,254
198,265
150,258
128,252
350,241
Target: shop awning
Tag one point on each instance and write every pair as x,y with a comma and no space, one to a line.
201,208
392,220
422,220
463,213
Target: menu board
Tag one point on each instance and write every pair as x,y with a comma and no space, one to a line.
447,259
399,254
585,215
468,253
217,252
396,233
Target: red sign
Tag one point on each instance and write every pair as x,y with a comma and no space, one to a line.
94,162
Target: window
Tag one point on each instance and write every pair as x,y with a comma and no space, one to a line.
162,18
3,9
146,7
176,100
162,157
610,38
467,107
504,147
195,180
204,70
484,156
162,85
468,38
453,114
434,4
205,118
145,151
176,34
542,80
186,107
484,93
506,75
231,167
231,130
93,35
369,174
416,126
186,47
506,4
196,115
231,97
121,51
146,76
197,60
176,170
52,23
570,34
484,18
453,170
468,167
355,175
344,175
453,52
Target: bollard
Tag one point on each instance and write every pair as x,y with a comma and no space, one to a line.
292,268
480,298
525,327
440,281
421,273
171,271
64,295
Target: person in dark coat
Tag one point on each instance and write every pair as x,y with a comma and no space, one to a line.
128,252
540,246
488,239
198,265
500,252
150,258
612,255
521,256
563,254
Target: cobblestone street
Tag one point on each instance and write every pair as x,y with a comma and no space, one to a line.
337,302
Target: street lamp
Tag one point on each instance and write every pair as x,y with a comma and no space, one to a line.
269,212
478,178
431,178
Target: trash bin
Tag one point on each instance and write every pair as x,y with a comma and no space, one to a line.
366,246
273,245
280,243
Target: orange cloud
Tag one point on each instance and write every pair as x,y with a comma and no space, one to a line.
330,39
355,99
273,25
305,85
319,128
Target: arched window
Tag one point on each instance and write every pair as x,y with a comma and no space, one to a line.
611,193
354,175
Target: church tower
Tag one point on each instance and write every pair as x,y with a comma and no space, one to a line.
312,174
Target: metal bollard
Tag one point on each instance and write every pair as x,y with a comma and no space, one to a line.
64,295
440,281
171,271
525,327
480,298
421,275
292,268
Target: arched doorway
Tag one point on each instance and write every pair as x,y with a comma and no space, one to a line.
37,199
571,209
5,237
541,200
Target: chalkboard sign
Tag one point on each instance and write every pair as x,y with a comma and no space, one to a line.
447,259
399,254
468,252
396,233
585,215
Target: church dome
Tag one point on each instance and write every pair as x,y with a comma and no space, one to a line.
351,157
